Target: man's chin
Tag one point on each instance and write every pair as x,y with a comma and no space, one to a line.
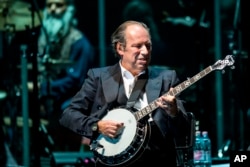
142,66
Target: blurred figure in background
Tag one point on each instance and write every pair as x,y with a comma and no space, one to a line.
65,55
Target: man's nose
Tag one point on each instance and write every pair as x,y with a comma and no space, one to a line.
52,8
144,49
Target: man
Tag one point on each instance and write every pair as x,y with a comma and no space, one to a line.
65,55
65,52
108,89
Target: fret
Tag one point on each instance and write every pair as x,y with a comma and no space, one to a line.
192,80
178,89
203,73
208,69
148,109
197,77
153,105
144,112
135,115
168,93
139,114
187,83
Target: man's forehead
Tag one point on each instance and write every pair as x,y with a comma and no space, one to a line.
136,31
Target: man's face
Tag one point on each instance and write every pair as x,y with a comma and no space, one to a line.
136,55
56,7
57,20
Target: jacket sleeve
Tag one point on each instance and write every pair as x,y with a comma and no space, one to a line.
76,116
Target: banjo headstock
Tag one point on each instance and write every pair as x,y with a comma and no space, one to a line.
221,64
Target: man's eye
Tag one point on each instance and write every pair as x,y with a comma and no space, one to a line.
148,46
57,4
138,46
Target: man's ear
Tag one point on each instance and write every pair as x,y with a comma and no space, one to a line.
119,48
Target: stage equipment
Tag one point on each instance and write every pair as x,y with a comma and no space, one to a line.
17,16
185,148
25,109
78,159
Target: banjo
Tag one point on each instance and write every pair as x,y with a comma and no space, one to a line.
132,139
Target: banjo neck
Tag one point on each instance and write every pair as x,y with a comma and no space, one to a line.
219,65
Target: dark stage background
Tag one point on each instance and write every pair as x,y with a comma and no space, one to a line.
191,47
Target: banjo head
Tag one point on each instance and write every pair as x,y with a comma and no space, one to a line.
114,146
128,143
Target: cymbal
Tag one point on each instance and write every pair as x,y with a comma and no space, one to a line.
16,15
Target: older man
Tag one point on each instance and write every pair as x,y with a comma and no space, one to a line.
65,55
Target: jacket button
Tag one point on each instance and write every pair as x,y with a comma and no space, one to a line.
99,107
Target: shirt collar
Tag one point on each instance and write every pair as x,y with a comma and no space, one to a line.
127,74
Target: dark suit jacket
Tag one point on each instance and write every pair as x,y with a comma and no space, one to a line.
101,90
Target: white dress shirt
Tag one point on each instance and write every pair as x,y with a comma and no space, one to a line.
129,83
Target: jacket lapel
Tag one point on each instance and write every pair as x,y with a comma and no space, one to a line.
153,86
111,79
110,82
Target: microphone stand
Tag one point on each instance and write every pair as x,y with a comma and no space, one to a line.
35,107
36,99
25,111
